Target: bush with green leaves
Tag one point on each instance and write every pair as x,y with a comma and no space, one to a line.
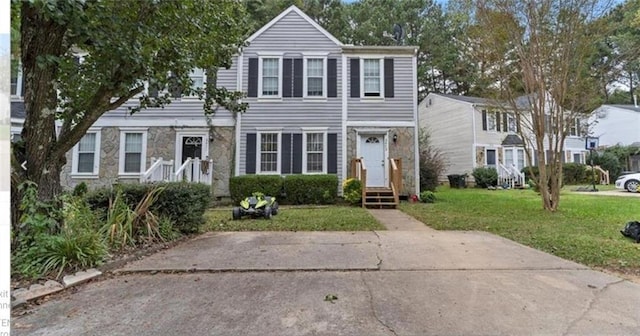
607,161
575,173
311,189
352,191
427,197
75,243
485,177
243,186
183,203
432,163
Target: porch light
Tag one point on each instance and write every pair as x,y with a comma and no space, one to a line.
395,138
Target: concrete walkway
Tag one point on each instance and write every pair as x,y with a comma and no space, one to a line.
412,282
396,220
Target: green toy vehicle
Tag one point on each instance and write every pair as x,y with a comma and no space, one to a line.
258,205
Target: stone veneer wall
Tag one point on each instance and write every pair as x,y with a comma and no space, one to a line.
403,149
222,151
160,143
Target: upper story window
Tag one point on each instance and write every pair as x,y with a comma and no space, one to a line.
575,127
371,78
315,77
512,123
492,121
197,77
16,83
270,77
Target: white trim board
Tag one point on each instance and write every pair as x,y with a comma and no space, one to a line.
295,9
180,134
365,123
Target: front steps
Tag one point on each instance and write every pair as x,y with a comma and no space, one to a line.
379,198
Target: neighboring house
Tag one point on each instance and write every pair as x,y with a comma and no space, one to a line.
17,107
472,132
315,105
616,125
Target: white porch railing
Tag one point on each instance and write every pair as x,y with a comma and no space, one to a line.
195,170
192,170
160,170
510,175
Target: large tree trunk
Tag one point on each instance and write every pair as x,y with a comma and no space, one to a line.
41,37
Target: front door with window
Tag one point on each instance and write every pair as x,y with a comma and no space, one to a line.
191,147
514,157
372,150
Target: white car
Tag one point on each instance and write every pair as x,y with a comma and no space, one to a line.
629,182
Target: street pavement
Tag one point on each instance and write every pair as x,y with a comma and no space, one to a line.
417,282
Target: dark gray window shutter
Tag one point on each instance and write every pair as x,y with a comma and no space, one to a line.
504,122
497,114
286,153
332,80
355,77
518,123
287,77
484,120
297,153
332,153
250,164
388,78
253,77
297,77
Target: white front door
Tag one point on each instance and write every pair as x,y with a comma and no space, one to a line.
372,150
514,156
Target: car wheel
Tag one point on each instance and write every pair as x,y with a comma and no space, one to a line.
267,212
236,213
632,185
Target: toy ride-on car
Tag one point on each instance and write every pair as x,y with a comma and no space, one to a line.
258,205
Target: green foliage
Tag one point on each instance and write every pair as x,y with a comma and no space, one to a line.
427,197
607,161
76,245
432,163
485,177
311,189
242,186
575,173
352,191
167,230
80,190
183,203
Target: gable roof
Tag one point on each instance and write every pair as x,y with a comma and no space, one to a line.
297,10
512,140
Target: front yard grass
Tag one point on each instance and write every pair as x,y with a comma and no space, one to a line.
586,229
330,218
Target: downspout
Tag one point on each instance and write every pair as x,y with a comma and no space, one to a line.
473,131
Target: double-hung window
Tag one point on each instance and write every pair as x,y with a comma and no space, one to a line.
86,154
512,123
315,153
197,77
315,81
269,153
492,121
133,148
574,128
372,77
270,77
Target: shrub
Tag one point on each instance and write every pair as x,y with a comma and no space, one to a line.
485,177
80,189
243,186
352,191
183,203
311,189
432,163
607,161
575,173
427,197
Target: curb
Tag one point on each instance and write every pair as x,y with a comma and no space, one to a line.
21,296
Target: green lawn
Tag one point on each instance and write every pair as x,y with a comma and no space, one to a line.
586,229
331,218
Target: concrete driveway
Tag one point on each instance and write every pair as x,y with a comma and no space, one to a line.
345,283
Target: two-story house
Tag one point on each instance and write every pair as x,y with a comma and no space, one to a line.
316,106
616,125
473,132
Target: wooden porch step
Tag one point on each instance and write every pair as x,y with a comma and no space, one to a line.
380,198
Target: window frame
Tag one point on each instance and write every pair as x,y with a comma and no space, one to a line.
261,59
574,127
259,152
96,156
121,155
305,84
204,81
510,117
305,152
493,114
381,74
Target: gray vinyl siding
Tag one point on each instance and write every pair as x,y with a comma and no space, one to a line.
397,108
227,78
294,33
449,124
493,138
293,37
